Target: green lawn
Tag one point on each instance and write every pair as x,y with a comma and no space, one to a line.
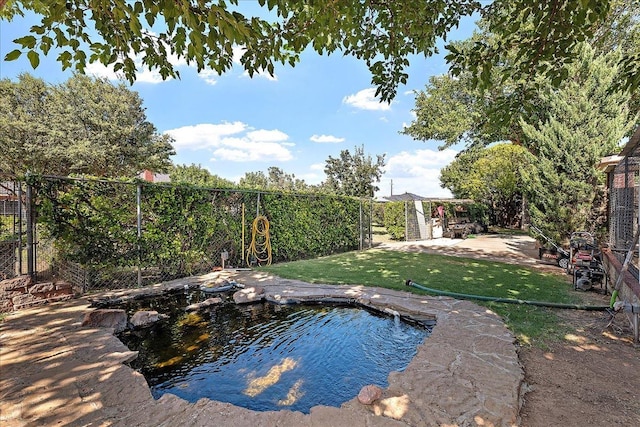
390,269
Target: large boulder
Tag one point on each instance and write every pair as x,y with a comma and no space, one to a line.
106,318
20,283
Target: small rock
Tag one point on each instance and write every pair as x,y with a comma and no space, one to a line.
106,318
369,394
248,295
204,304
41,288
25,300
63,286
144,318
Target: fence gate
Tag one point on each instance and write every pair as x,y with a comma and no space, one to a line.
12,229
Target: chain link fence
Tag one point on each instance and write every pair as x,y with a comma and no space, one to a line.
623,207
100,234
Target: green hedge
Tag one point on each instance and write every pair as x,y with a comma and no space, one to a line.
184,228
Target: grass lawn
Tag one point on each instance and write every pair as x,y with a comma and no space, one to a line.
390,269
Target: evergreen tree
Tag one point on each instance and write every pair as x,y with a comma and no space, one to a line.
585,123
493,176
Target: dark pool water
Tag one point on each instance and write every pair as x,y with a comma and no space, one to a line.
270,357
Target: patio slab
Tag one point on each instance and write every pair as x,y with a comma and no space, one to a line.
55,372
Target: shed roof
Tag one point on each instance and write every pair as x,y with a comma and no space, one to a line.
411,197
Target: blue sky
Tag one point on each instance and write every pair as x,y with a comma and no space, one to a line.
232,124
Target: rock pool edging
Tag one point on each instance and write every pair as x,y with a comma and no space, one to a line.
466,373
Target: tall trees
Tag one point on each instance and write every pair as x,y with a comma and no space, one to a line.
384,34
456,108
585,122
493,176
354,174
83,126
275,180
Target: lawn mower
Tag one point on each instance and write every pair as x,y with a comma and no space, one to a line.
555,253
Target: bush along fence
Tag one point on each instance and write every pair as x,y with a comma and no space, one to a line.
114,234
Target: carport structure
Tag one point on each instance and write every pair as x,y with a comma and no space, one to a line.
420,222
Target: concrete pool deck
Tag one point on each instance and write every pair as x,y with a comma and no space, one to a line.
55,372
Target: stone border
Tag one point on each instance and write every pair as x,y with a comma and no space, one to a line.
466,373
20,292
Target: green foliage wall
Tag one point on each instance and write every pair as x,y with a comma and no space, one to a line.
308,226
184,228
394,219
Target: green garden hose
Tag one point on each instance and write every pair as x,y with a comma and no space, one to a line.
614,297
411,283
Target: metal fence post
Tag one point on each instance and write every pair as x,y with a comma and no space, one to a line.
370,223
30,241
361,245
20,221
406,221
139,226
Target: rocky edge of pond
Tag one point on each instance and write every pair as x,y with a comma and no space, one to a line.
466,373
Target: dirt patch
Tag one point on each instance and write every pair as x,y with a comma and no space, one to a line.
590,378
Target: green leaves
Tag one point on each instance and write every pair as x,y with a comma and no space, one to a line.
535,38
385,35
84,125
27,42
13,55
184,228
34,58
354,174
585,122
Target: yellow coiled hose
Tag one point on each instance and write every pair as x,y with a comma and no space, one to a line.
260,247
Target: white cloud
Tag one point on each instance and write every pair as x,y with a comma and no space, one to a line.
267,135
312,178
143,74
326,138
204,135
417,172
314,174
235,142
366,100
262,74
209,76
238,51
